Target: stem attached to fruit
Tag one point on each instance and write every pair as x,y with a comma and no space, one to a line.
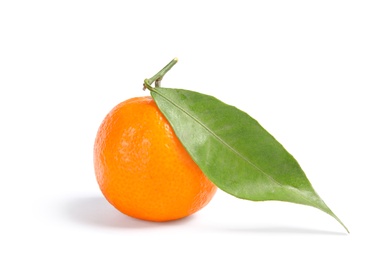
159,76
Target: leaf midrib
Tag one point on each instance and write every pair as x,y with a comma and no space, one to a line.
233,149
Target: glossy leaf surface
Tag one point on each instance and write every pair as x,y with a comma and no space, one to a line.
234,151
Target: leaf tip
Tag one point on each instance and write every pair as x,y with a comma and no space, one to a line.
345,227
338,220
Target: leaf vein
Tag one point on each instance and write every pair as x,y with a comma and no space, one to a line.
222,141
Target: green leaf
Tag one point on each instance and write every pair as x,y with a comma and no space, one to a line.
234,151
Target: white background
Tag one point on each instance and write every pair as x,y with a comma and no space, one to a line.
309,71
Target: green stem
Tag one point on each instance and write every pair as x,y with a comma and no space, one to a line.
159,75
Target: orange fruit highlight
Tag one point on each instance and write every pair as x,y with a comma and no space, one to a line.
142,168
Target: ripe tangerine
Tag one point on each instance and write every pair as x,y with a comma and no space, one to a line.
142,168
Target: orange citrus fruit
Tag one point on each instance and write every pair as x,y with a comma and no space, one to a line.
142,168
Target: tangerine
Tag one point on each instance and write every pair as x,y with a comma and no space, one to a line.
142,168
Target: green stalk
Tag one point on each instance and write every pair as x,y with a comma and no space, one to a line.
159,75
